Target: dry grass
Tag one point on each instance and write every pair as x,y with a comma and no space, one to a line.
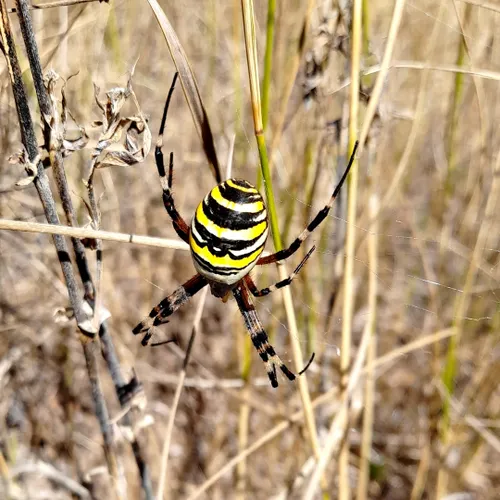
420,399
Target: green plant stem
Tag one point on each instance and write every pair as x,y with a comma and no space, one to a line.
268,187
253,74
268,61
462,302
366,27
266,81
454,115
250,38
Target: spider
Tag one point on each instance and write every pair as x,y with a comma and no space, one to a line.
226,238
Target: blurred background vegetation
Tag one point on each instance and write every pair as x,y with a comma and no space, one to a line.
424,409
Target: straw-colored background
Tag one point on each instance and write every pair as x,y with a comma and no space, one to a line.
438,237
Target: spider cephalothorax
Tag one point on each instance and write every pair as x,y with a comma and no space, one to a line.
227,237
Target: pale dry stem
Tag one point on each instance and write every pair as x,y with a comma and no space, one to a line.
162,490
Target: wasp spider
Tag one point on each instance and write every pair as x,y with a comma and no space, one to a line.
226,237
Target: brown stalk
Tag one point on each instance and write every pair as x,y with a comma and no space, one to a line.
83,313
162,490
42,186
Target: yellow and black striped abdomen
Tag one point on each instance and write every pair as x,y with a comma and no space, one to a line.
228,232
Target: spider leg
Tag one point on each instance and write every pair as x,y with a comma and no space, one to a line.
266,291
168,306
259,336
180,226
320,217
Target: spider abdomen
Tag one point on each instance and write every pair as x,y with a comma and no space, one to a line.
228,231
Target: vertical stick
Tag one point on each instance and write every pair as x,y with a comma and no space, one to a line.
253,73
366,442
348,305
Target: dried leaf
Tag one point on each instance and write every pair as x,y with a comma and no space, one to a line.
87,327
117,159
25,181
129,136
21,158
58,119
116,100
103,314
69,146
63,315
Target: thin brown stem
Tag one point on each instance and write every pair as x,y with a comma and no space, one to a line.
42,185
